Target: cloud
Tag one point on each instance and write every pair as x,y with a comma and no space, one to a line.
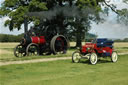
1,1
5,30
110,29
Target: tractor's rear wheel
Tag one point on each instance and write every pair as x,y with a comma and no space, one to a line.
19,51
76,56
32,49
93,58
59,44
114,57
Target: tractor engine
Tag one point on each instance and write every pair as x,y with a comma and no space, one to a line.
33,39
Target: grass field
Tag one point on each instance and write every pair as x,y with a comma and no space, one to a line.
6,51
65,72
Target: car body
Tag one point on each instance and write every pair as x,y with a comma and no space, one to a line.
101,47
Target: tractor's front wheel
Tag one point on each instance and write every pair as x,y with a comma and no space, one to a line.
76,57
114,56
93,58
19,51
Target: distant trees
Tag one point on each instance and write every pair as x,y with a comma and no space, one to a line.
119,40
10,38
17,38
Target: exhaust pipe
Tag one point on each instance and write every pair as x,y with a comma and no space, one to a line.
25,24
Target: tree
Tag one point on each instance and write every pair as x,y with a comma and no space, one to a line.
16,10
76,23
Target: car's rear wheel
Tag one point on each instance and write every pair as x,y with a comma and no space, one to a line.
114,57
93,58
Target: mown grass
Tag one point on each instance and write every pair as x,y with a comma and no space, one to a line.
6,51
65,72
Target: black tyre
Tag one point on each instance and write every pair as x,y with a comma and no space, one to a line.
59,44
76,56
32,49
19,51
93,58
114,56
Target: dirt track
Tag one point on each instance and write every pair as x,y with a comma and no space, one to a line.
39,60
33,61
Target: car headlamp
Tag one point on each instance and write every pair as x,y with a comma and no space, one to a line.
88,48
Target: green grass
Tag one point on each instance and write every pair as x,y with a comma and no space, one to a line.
65,72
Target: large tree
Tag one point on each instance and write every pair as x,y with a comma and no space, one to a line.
74,24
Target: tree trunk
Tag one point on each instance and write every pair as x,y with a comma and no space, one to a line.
78,42
78,39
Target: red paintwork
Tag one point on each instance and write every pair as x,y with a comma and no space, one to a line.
38,40
92,47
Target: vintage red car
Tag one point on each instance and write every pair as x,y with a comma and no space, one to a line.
101,47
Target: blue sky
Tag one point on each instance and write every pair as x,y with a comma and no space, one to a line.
109,29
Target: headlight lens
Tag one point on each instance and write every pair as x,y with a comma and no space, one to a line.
88,49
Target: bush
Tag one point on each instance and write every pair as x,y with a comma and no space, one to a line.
10,38
119,40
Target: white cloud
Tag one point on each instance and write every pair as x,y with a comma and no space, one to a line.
5,30
110,29
1,1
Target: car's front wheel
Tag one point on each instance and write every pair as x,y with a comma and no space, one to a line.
76,57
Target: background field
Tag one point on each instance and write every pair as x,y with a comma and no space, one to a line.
6,51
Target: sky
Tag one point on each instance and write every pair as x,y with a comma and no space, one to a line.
109,29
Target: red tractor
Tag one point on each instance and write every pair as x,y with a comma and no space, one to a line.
101,47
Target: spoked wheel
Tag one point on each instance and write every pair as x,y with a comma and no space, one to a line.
59,44
114,56
76,57
32,49
93,58
19,51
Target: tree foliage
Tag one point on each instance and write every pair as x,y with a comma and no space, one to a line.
123,14
88,11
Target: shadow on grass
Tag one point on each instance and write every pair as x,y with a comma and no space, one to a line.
100,61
